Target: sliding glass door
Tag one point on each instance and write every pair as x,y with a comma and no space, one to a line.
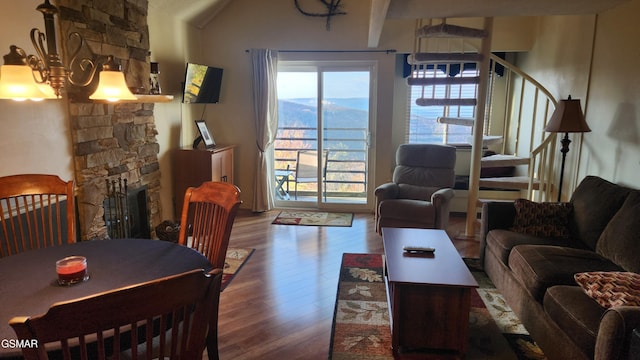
322,147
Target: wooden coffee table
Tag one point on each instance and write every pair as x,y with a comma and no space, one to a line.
429,295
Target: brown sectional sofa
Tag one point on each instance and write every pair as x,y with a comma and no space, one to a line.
536,273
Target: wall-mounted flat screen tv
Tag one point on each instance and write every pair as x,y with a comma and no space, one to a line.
201,84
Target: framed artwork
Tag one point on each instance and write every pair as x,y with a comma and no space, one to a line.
205,135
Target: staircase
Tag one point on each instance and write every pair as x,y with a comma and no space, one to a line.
510,112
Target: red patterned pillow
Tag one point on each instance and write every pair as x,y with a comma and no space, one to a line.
545,219
611,288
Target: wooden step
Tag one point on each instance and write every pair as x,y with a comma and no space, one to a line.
448,30
456,121
443,58
487,140
445,102
427,81
501,160
481,202
513,182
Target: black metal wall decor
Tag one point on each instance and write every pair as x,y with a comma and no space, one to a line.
333,8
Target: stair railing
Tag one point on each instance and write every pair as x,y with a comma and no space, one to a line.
542,157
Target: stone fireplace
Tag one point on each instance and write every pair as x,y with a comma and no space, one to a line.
125,211
112,141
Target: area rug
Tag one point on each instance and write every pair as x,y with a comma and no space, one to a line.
361,327
234,260
314,218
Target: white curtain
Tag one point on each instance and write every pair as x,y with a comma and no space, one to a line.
265,107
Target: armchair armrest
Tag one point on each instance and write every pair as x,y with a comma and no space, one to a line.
442,195
383,192
386,191
441,199
616,329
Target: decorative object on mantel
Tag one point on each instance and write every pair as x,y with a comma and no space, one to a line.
333,8
154,79
27,76
567,118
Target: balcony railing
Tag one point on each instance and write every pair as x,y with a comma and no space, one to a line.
346,170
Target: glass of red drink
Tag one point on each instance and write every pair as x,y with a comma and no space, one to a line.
71,270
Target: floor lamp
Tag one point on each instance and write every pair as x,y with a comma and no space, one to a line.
567,118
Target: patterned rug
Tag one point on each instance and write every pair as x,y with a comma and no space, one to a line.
235,258
361,327
314,218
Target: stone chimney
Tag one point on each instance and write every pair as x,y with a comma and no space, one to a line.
111,141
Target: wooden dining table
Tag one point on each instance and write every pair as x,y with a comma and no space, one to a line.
28,281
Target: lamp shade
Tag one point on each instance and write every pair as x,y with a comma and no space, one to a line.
17,83
112,87
568,118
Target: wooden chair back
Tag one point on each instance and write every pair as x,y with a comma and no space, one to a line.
166,318
36,211
208,213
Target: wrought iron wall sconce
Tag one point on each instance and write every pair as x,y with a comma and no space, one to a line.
44,76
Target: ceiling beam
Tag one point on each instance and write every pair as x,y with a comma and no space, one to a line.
421,9
378,14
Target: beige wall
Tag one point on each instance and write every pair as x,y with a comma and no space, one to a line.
245,24
173,43
35,135
595,60
562,64
612,150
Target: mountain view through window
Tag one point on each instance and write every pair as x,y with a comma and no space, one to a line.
339,116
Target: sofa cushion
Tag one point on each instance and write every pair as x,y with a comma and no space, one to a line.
595,201
500,242
620,240
545,219
538,267
575,313
611,288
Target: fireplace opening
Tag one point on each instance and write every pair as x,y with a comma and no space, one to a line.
126,211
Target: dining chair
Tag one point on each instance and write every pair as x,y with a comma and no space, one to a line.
207,218
36,211
158,319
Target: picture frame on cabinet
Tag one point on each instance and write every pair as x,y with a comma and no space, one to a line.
205,135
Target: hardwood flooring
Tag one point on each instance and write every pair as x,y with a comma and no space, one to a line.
281,303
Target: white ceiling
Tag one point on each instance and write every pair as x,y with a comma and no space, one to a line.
200,12
195,12
424,9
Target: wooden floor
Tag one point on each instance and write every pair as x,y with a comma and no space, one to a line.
281,303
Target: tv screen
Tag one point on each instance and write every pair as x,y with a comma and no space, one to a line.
202,84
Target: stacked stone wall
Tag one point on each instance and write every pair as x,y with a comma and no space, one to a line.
111,141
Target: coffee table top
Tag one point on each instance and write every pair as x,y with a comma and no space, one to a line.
444,267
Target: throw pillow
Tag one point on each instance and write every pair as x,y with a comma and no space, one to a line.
611,288
545,219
